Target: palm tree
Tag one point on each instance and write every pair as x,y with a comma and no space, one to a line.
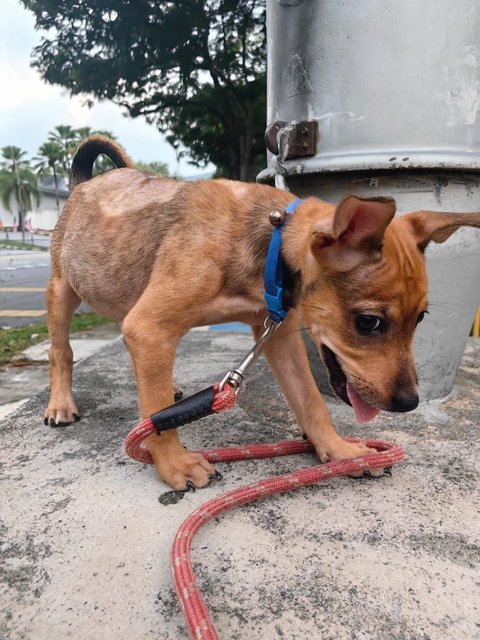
69,139
83,132
18,180
49,161
107,134
13,157
155,167
66,137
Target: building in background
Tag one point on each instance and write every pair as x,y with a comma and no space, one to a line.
45,216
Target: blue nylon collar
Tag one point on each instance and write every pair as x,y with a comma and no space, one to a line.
274,270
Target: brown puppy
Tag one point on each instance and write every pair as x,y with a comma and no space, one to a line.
163,256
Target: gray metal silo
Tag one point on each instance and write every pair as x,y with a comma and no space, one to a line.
389,94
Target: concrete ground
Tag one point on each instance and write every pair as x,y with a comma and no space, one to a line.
86,532
28,372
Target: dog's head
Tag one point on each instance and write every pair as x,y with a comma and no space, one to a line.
364,293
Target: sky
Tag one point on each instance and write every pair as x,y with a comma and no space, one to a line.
30,108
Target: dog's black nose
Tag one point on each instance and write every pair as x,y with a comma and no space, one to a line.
404,402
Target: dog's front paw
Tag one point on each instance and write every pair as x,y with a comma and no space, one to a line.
61,413
180,468
189,472
339,449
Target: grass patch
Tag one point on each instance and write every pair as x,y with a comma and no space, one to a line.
84,321
15,244
15,340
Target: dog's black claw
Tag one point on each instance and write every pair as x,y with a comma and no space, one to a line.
58,424
216,475
304,436
76,417
190,486
387,471
367,473
178,396
45,422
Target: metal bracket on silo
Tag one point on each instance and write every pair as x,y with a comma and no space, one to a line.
302,139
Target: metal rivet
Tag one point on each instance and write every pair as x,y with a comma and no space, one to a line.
277,218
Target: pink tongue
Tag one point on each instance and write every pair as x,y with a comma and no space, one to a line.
363,412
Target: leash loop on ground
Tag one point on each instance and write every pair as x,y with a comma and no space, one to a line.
195,611
197,617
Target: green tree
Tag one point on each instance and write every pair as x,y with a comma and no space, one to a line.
13,158
83,132
19,181
157,168
195,68
66,137
49,161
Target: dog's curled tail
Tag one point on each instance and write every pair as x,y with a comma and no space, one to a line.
87,153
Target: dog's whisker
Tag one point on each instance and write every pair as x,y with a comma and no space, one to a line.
442,307
443,310
424,364
275,338
422,369
352,375
442,302
313,306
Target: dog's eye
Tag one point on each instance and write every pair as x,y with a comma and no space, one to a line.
369,324
421,317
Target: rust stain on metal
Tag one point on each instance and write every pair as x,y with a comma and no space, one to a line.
302,141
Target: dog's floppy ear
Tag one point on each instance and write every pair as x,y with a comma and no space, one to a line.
355,233
433,226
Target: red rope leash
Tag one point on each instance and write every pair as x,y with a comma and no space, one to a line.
223,400
195,612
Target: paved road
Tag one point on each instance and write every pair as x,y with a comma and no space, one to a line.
23,280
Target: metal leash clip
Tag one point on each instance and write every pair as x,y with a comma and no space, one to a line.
278,161
236,377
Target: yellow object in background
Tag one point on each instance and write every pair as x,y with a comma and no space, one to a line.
476,324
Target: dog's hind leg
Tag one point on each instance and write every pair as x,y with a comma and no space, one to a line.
61,303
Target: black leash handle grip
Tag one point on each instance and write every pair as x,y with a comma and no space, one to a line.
187,410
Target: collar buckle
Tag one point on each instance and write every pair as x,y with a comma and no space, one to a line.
274,268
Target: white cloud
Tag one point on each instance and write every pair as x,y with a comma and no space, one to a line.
18,89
